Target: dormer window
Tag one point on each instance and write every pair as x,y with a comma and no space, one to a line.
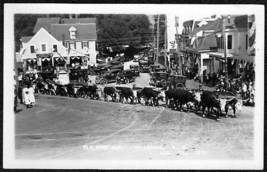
72,32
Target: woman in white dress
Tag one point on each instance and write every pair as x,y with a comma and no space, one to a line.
29,98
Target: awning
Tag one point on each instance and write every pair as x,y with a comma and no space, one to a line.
31,60
233,56
75,57
59,58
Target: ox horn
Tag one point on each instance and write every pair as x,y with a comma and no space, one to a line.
246,100
230,99
215,98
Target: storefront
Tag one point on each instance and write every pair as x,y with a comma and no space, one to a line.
59,61
45,63
30,65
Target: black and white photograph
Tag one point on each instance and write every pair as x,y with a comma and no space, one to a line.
133,86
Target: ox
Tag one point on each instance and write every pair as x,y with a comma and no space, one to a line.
210,100
149,93
112,92
126,93
233,104
170,97
181,97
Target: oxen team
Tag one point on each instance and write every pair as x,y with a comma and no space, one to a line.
177,99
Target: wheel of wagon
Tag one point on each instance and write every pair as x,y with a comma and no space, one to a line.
126,81
104,81
179,85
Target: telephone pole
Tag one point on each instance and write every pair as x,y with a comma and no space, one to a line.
157,59
225,50
165,42
177,39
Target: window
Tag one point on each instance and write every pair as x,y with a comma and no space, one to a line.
246,41
72,34
229,42
84,44
67,44
54,48
222,42
32,49
43,47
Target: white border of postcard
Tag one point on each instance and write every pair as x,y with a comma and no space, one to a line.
190,11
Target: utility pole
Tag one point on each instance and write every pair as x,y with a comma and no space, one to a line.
177,39
154,45
225,50
157,59
165,42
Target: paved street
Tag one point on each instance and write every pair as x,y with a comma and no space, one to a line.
69,128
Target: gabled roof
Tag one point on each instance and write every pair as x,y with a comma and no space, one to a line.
25,39
188,23
241,22
84,31
45,23
235,22
214,25
78,20
43,33
207,43
196,28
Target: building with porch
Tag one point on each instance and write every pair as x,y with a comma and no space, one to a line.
42,52
236,47
201,41
80,40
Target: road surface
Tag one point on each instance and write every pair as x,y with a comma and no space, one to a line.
69,128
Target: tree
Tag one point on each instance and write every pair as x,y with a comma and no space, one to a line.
112,30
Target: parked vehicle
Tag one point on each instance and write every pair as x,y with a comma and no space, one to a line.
144,66
80,75
126,77
47,75
159,79
136,69
109,76
153,67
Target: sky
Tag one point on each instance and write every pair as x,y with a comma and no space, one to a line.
183,11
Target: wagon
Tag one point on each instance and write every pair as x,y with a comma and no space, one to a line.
177,81
159,79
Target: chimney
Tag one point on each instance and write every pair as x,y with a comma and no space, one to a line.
70,16
76,16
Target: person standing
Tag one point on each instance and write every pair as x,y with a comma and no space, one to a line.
20,94
29,96
244,89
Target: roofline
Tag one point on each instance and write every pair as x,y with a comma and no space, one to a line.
75,24
78,40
